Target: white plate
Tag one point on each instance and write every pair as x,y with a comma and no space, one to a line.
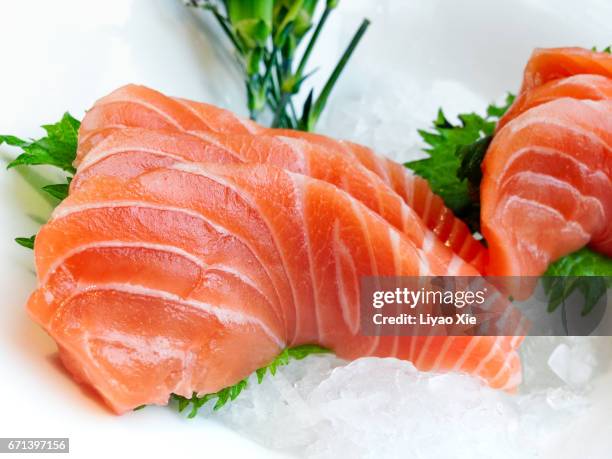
62,55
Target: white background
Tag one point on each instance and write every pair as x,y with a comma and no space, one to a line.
61,55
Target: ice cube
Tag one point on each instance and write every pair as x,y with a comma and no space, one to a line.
574,365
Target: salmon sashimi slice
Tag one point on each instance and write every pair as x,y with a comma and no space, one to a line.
188,277
124,108
128,152
139,106
582,86
547,186
547,64
414,190
131,151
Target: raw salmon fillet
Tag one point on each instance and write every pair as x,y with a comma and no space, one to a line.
547,176
582,87
552,73
138,106
548,64
188,277
547,186
131,151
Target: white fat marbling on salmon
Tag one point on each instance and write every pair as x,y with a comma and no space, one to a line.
448,342
552,153
371,257
207,137
455,266
100,153
538,178
424,350
602,106
506,369
525,122
298,187
409,183
381,164
493,352
406,220
297,146
593,82
522,203
395,239
192,110
142,103
513,381
359,213
85,137
424,267
224,315
146,349
249,126
47,295
473,344
155,247
343,256
64,210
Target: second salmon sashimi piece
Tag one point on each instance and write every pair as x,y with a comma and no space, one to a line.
130,152
143,287
547,186
582,87
137,106
548,64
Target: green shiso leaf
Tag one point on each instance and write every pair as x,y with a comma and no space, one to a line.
455,153
58,190
58,149
27,242
230,393
584,262
579,266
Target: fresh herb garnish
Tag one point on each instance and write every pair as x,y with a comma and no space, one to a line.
58,149
455,153
589,272
27,242
265,35
607,49
58,190
471,157
232,392
584,262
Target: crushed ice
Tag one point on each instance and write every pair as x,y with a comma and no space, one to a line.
325,408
